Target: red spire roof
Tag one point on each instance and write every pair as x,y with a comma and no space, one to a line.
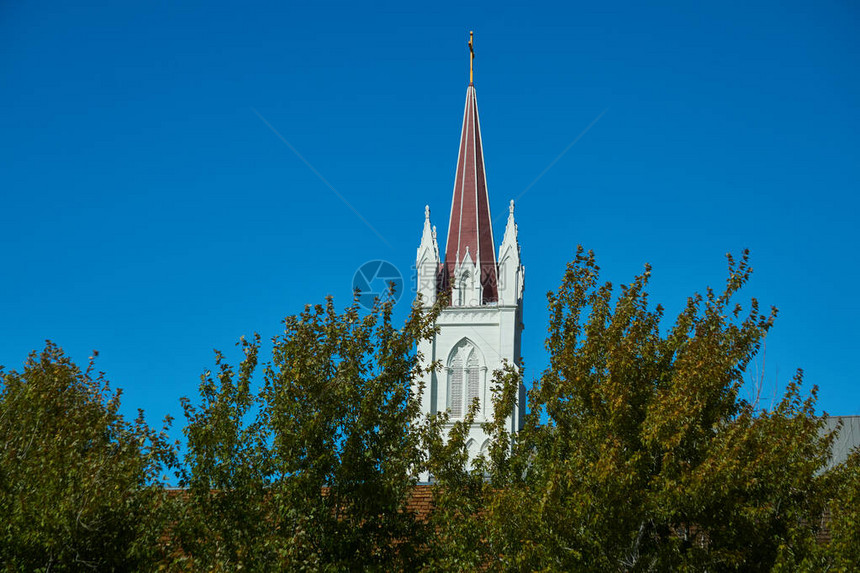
470,228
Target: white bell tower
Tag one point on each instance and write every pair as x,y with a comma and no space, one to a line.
481,328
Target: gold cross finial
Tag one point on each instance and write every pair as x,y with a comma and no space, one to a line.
471,58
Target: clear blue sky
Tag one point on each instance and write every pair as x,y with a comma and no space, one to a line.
148,212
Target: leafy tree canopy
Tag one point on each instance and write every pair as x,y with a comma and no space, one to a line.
80,486
639,453
313,470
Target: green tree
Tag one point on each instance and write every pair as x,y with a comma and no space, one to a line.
639,452
312,470
456,535
842,551
79,486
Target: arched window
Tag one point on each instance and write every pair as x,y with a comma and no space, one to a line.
472,374
464,289
465,376
457,387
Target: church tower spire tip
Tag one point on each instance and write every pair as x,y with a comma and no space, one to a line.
471,58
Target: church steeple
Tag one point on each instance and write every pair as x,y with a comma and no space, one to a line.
482,328
470,229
